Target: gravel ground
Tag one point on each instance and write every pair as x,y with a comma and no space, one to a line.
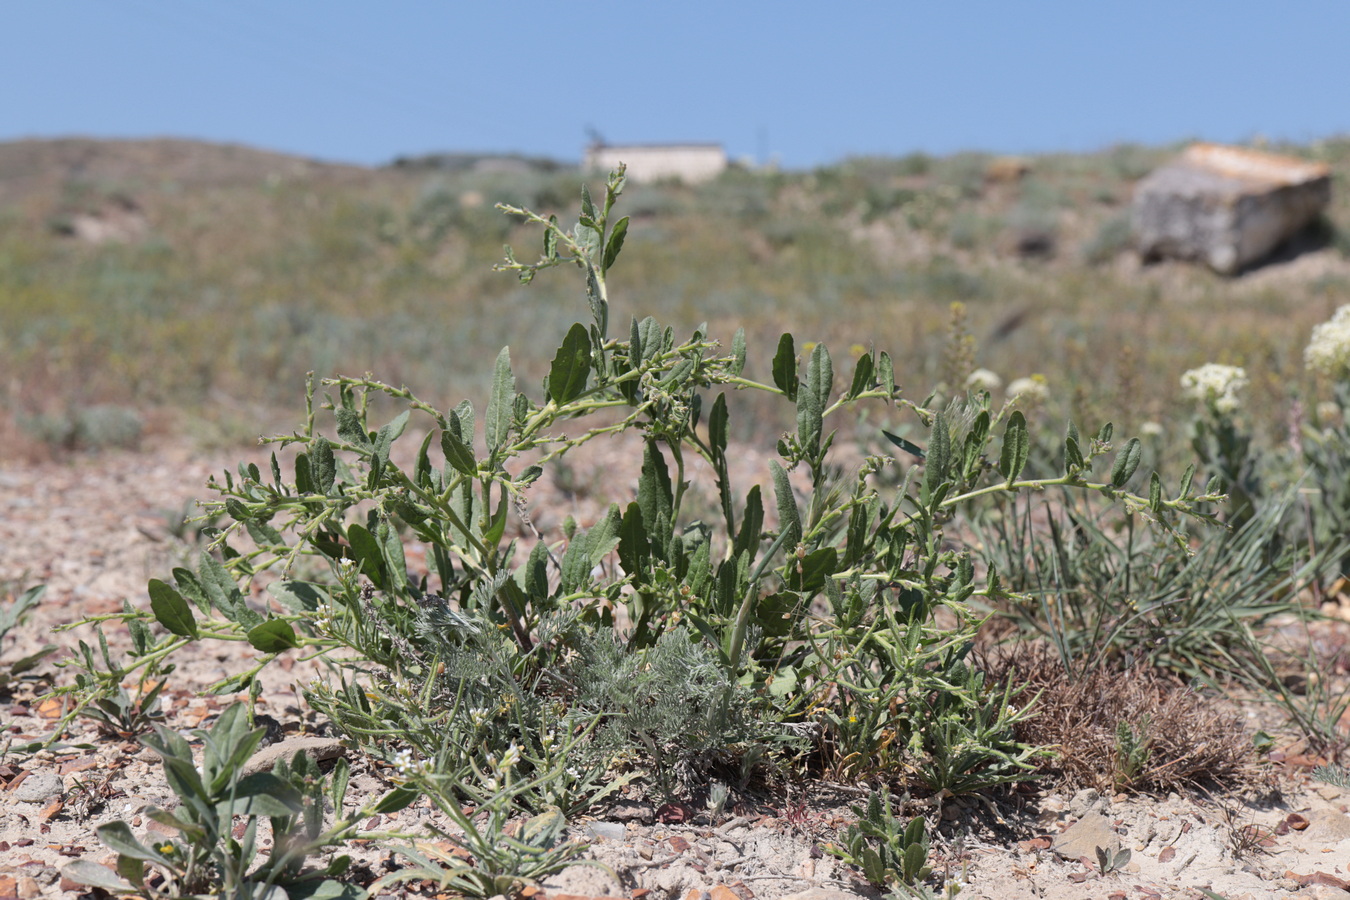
95,529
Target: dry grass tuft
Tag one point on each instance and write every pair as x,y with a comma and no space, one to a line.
1139,730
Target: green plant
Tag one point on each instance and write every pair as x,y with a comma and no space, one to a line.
1102,590
499,863
1109,861
118,715
1132,752
207,858
888,852
775,615
12,614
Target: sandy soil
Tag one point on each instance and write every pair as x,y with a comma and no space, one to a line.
94,529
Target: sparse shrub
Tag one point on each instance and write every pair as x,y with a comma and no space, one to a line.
1112,237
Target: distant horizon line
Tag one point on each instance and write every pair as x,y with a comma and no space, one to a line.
774,160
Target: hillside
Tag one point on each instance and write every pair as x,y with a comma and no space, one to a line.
197,283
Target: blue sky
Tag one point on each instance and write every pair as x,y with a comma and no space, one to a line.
807,83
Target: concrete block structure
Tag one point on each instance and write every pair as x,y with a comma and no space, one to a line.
690,163
1226,206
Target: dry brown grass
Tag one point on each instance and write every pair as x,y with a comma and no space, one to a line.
1190,744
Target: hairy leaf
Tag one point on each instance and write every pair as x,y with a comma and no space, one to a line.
571,366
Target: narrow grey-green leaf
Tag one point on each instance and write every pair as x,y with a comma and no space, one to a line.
1127,460
789,517
615,243
937,458
322,469
738,352
908,446
571,367
551,239
886,373
811,403
785,367
1155,494
1016,446
171,610
1186,478
497,419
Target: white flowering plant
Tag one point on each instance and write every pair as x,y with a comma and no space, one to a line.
1328,351
1221,444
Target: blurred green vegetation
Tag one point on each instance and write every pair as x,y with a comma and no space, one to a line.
237,286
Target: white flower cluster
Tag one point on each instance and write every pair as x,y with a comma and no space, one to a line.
1032,389
1328,351
1216,384
983,380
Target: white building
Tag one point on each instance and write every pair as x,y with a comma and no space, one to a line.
690,163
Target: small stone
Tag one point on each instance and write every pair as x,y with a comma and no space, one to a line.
39,787
607,831
1083,801
1084,837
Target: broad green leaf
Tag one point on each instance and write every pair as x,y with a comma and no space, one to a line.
1016,446
752,524
366,551
577,566
224,594
86,871
26,663
656,498
862,376
1127,460
785,367
497,420
496,525
190,830
304,482
171,610
809,574
299,596
119,838
350,427
789,516
587,206
634,548
651,339
458,454
571,366
264,794
1073,457
11,614
397,799
273,636
615,244
391,551
973,450
1155,494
